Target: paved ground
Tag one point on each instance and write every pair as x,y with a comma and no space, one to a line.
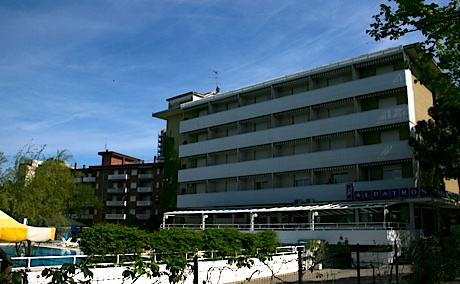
346,276
341,276
368,275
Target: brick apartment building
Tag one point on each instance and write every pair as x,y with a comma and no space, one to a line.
128,187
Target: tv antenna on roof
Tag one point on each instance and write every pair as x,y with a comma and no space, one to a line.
216,79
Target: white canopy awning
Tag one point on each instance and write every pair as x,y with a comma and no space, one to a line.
312,207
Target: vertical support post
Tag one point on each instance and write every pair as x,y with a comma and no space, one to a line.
396,262
358,266
299,261
313,215
385,212
203,221
195,269
164,221
251,226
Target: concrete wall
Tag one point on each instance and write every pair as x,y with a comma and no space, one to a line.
212,271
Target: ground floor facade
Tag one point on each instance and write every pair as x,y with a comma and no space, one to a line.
368,220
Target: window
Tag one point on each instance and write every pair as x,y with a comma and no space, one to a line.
392,172
133,184
132,198
340,178
134,172
389,136
261,184
387,102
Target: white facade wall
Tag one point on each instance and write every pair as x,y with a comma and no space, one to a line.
346,90
288,195
282,140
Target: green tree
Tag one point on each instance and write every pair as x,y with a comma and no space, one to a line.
3,161
45,193
13,180
434,259
171,168
437,143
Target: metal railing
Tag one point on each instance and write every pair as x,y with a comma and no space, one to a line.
41,262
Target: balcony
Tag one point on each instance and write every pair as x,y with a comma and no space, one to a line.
118,203
145,176
115,216
89,179
143,216
121,190
145,189
118,177
144,203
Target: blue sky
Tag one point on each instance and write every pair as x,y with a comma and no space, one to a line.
80,75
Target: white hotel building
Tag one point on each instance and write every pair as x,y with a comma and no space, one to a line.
296,147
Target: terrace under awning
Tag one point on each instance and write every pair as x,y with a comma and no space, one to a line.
254,211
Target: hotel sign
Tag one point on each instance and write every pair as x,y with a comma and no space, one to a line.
394,193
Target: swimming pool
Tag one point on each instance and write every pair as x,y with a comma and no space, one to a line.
42,256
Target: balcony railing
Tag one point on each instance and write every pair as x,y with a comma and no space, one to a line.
145,189
144,203
116,203
115,216
145,176
89,179
118,177
117,190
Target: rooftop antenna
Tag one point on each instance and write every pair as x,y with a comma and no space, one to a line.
106,144
216,79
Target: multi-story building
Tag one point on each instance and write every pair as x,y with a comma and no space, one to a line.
336,133
129,189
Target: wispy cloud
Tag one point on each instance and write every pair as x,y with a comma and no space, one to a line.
74,74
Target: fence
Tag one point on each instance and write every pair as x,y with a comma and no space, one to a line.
288,265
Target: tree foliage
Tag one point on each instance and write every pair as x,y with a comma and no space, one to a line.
437,144
42,189
434,259
171,168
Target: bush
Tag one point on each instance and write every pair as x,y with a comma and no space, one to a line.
107,238
222,242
